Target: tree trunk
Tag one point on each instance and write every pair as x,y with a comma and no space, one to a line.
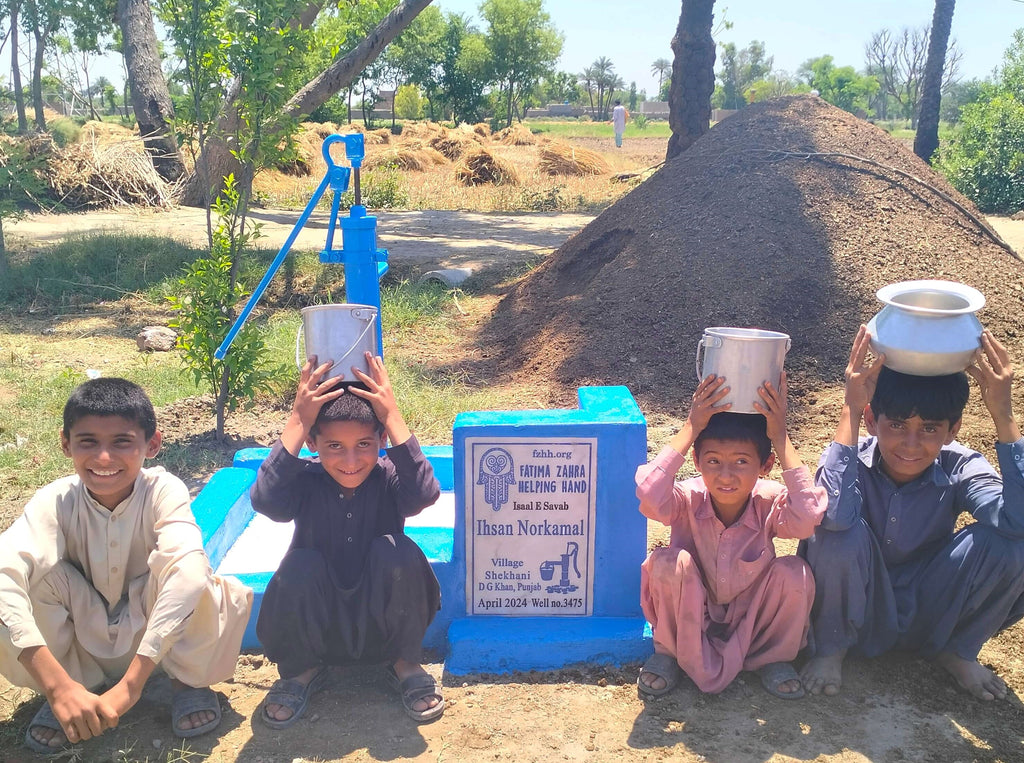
19,94
927,138
151,100
37,80
693,76
336,77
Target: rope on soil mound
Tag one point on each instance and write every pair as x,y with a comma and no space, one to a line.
984,226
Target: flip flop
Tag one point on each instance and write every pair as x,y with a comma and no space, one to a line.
44,717
663,666
414,688
774,674
290,693
194,700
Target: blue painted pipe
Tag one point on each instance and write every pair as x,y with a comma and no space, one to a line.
337,178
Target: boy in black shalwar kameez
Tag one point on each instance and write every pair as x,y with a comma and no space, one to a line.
352,587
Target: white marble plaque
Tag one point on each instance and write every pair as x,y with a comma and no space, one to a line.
530,525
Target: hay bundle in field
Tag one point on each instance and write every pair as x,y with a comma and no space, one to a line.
563,159
86,176
351,127
516,135
414,157
454,143
107,134
479,166
377,137
321,129
482,129
422,130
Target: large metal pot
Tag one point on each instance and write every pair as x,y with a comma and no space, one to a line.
927,328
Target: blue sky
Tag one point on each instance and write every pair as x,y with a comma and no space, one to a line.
635,33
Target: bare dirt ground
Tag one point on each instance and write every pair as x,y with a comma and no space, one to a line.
891,709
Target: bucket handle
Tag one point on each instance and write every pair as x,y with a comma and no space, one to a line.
370,315
702,344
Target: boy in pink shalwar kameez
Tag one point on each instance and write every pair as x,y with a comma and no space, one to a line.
717,597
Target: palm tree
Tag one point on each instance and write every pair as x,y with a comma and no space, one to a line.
587,77
661,67
693,76
604,70
927,138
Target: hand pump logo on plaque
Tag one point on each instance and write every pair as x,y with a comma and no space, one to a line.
529,526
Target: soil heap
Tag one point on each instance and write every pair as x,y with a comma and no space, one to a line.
735,232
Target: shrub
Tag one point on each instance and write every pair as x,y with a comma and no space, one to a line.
640,120
65,131
985,161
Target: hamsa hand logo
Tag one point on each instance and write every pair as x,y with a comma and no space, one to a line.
496,473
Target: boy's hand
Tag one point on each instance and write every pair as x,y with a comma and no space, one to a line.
314,391
381,396
992,370
773,407
861,377
709,393
81,713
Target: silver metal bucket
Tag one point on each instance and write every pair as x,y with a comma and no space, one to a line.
747,358
340,333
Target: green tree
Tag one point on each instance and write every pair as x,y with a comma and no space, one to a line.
662,67
739,69
841,86
985,159
417,54
958,95
523,44
409,102
465,65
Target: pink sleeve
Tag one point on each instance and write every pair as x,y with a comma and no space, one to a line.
800,507
660,499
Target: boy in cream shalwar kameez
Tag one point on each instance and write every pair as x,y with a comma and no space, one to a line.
99,587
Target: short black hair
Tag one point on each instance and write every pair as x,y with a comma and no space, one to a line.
618,102
110,397
348,407
933,398
737,427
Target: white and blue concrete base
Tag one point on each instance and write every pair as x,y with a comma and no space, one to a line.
248,546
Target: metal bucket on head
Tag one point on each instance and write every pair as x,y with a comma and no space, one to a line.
340,333
747,358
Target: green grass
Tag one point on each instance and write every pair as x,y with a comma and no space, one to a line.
576,129
41,361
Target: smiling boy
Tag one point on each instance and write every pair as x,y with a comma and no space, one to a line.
103,577
352,587
891,570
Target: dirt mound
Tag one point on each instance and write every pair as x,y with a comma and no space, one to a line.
745,229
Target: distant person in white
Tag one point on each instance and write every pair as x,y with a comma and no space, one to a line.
619,117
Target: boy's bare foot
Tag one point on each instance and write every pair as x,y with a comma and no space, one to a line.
282,712
973,677
824,675
48,737
405,669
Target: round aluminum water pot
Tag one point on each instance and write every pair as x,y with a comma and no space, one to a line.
927,328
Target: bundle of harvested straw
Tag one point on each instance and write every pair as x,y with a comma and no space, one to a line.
413,156
454,143
88,176
383,135
516,135
482,129
479,166
563,159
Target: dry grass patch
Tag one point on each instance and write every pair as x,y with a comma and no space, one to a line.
564,159
377,137
98,134
482,129
481,166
